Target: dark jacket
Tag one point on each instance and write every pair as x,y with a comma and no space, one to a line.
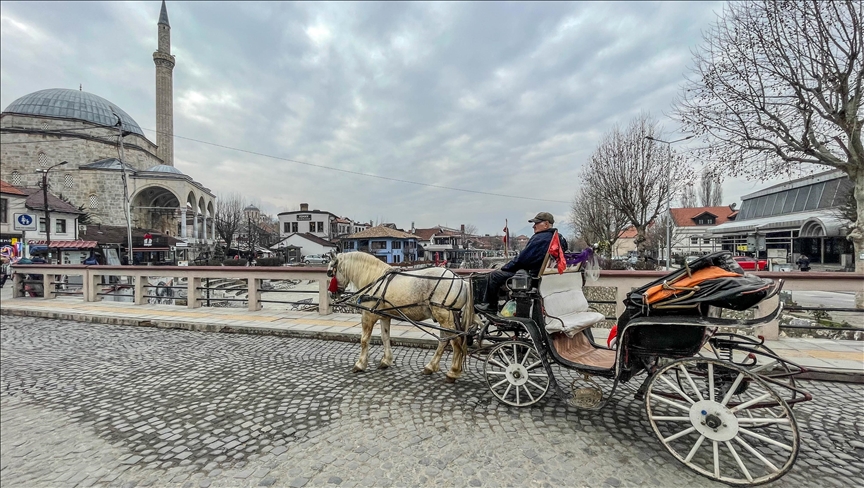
531,258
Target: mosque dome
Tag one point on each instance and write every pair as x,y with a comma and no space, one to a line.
73,104
164,168
251,208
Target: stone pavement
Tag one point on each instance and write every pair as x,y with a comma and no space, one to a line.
108,405
818,354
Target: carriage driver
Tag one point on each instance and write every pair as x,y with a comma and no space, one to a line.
530,259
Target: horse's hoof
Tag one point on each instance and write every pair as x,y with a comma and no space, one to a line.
383,366
358,369
427,371
448,379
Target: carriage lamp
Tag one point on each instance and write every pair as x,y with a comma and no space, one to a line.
520,281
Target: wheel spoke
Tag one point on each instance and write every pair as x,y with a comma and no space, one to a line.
670,402
525,357
496,372
732,389
528,392
749,402
694,449
754,420
738,460
676,419
507,391
716,460
764,439
764,366
496,385
496,363
690,380
533,365
537,375
711,381
517,395
679,434
756,453
529,382
676,389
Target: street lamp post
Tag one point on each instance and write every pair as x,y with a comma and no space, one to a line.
669,196
45,204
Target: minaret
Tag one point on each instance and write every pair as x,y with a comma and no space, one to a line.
164,91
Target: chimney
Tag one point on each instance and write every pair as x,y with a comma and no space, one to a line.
304,207
462,228
412,227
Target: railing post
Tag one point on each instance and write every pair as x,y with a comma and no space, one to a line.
48,286
771,330
323,298
193,294
139,289
17,279
92,292
254,296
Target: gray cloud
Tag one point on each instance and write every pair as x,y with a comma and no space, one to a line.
507,98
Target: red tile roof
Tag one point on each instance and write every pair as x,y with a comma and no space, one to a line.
684,217
7,188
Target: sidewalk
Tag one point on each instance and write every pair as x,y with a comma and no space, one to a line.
822,355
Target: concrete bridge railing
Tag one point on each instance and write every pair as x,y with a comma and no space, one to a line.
136,276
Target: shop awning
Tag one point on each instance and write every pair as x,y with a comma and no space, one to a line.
65,244
146,249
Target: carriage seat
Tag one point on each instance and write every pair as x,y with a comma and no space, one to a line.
567,316
565,307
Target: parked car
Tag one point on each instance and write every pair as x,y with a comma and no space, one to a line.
316,259
749,263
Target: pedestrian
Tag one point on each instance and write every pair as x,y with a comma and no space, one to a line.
4,271
803,263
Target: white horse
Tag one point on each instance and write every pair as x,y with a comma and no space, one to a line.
435,293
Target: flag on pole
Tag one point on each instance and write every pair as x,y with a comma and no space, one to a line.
556,252
506,238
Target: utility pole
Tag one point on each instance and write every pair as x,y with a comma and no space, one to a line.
669,196
45,205
126,211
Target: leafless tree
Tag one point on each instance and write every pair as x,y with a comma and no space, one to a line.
777,88
710,191
633,174
688,197
229,216
594,221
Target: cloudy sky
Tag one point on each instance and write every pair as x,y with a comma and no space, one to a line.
432,113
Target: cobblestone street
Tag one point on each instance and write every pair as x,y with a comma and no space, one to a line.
104,405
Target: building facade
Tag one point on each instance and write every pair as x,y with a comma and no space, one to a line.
692,229
798,217
385,243
47,127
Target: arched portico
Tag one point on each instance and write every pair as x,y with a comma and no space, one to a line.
155,207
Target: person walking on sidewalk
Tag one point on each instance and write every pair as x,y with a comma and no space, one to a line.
803,263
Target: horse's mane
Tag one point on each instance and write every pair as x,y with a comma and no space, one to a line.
362,268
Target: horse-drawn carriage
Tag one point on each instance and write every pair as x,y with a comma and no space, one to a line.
719,402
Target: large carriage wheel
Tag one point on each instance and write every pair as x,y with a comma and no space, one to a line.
515,374
722,421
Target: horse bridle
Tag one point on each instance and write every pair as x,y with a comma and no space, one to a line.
331,271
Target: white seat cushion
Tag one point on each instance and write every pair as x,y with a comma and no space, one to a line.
565,305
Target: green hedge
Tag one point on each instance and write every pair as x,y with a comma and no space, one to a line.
234,262
269,262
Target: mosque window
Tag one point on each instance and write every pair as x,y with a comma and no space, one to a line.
45,126
67,180
43,160
93,201
16,178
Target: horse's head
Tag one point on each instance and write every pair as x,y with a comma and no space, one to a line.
334,273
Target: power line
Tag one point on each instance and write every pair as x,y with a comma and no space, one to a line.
358,173
63,138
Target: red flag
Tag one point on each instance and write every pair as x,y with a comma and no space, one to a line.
506,237
556,252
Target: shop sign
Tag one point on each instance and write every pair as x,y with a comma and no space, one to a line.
148,240
304,217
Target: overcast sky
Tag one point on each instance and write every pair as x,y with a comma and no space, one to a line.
507,99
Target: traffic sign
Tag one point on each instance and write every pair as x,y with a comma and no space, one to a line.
24,222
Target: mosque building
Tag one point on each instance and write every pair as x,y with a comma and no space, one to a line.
47,127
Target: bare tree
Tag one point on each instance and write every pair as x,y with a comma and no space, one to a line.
688,197
229,216
594,221
710,191
777,87
634,175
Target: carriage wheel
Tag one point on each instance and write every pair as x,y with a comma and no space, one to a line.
722,421
515,374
